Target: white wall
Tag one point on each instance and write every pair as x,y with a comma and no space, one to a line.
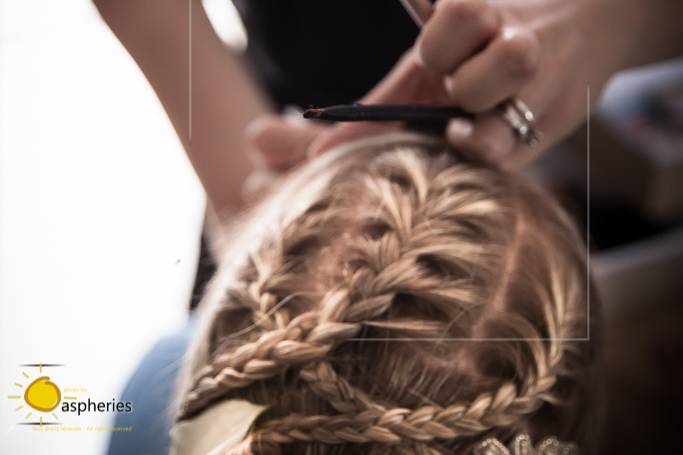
100,213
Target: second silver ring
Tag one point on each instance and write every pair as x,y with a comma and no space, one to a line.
521,119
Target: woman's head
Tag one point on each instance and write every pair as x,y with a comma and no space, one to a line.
398,300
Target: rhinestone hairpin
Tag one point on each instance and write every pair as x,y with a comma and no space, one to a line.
522,445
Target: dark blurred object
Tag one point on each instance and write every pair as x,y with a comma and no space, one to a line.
646,274
311,52
637,148
643,381
206,267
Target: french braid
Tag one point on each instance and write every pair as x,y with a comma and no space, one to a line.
407,223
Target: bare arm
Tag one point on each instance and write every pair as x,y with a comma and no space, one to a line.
210,116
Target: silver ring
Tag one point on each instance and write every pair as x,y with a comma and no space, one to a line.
521,119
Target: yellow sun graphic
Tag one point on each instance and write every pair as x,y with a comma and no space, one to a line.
41,394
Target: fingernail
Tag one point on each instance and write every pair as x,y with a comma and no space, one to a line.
459,129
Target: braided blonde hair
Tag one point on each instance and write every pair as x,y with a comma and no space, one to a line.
398,301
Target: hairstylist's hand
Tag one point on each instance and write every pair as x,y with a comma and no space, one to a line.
477,54
275,144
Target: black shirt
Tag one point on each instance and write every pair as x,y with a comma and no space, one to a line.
322,52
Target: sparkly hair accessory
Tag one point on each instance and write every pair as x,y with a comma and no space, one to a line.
522,445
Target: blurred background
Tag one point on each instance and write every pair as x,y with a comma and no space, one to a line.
100,216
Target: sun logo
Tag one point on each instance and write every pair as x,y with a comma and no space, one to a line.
41,394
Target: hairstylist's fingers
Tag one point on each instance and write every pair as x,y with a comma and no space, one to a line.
487,138
455,31
497,73
279,143
407,82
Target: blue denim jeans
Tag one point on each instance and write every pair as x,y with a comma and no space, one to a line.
150,390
